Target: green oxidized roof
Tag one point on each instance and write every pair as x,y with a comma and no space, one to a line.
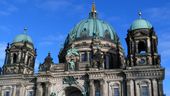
92,27
22,38
140,24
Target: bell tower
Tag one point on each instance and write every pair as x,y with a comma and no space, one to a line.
142,44
20,56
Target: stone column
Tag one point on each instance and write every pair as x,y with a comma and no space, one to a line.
155,87
137,89
19,56
14,91
103,88
128,88
39,90
26,57
11,58
132,88
92,89
150,88
47,89
21,90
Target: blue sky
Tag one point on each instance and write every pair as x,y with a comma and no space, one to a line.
49,21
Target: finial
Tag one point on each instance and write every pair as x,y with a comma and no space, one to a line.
140,14
93,7
25,30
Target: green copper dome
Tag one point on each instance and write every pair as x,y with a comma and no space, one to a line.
140,24
22,38
92,27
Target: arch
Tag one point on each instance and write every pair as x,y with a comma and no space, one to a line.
142,47
72,91
61,92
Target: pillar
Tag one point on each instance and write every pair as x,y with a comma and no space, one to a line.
155,87
92,89
103,88
39,90
132,93
14,91
47,89
26,57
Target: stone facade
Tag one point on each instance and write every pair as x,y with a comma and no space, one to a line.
88,66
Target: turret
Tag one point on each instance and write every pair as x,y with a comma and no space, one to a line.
20,55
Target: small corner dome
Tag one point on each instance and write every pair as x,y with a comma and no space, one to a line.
140,24
22,38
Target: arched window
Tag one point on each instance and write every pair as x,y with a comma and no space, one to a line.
14,58
142,47
97,87
115,89
107,34
144,89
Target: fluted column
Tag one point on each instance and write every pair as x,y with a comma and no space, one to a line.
92,89
39,90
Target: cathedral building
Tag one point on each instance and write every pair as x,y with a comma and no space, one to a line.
91,63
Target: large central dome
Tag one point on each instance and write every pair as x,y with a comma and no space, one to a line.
92,27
